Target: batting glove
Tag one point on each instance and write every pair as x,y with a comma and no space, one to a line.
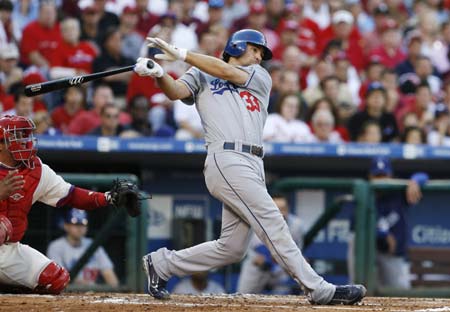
171,53
142,69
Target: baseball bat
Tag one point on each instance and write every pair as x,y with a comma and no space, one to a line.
58,84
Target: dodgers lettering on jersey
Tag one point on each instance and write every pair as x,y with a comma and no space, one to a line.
228,111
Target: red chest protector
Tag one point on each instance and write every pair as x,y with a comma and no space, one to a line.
17,206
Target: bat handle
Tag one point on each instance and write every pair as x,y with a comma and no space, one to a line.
150,64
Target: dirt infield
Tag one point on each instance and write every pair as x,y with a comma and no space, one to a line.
226,303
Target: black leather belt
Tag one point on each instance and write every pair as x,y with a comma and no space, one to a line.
251,149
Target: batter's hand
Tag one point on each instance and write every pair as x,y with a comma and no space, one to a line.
413,192
141,68
171,53
10,184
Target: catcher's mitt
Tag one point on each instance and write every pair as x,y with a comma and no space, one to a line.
126,194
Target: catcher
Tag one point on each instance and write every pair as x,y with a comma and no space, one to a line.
22,267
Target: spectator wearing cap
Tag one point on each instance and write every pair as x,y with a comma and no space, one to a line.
72,57
413,42
146,19
342,28
24,12
10,72
86,121
40,38
67,250
421,104
132,40
375,104
215,12
23,105
89,19
392,223
112,57
372,73
440,134
390,50
72,106
379,14
257,19
6,27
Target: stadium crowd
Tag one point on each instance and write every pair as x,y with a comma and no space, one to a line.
343,70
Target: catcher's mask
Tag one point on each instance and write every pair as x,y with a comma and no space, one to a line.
17,134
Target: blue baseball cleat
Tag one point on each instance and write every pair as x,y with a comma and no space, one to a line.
156,285
348,294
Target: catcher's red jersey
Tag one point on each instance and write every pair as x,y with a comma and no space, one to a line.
41,184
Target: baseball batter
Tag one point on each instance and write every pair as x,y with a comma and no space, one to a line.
231,96
20,265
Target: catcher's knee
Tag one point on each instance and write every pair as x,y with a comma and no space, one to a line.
53,279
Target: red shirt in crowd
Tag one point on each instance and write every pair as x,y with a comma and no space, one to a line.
354,50
61,118
390,60
86,121
79,56
308,37
41,39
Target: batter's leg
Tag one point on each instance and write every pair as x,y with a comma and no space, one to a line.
229,248
243,188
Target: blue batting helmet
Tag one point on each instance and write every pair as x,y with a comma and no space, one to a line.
237,43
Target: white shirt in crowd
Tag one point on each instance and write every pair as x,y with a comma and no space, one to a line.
278,129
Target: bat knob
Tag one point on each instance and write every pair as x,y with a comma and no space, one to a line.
150,64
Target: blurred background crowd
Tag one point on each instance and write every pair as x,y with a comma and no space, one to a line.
343,70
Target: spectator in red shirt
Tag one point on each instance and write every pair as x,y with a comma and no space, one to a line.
373,39
257,19
40,38
72,107
343,28
390,51
146,19
288,31
86,121
32,76
421,105
72,57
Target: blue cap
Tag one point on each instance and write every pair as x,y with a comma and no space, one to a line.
375,86
380,166
216,3
76,216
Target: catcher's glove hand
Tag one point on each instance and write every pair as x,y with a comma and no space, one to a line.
125,194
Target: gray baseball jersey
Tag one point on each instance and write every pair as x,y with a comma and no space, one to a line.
230,112
237,113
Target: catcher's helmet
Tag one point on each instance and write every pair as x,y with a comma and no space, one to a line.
237,43
17,134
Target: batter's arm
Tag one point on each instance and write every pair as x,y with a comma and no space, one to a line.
217,68
173,89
